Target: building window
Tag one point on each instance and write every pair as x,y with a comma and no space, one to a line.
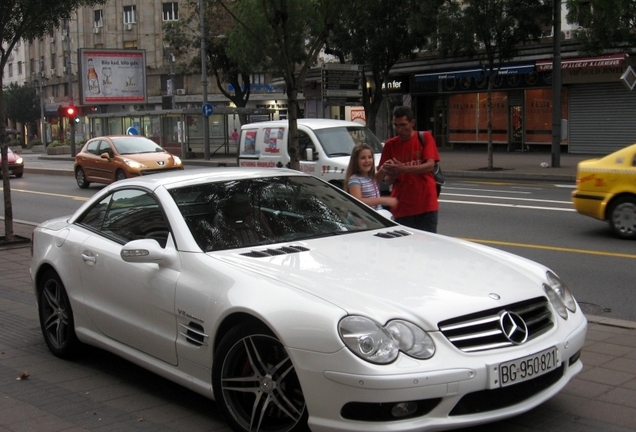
130,14
53,61
257,78
99,18
130,44
171,11
10,70
19,68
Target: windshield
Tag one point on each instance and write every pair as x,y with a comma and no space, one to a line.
339,141
233,214
135,145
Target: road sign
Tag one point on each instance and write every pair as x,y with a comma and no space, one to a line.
132,131
207,109
342,84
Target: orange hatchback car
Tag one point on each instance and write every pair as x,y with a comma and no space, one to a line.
606,190
110,158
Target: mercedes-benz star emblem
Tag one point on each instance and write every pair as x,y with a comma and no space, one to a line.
161,163
513,327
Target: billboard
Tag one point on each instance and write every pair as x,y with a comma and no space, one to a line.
108,76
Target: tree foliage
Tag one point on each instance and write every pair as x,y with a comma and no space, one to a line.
604,23
283,37
21,102
492,31
378,33
27,20
184,37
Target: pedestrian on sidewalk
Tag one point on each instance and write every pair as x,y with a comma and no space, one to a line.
360,178
407,165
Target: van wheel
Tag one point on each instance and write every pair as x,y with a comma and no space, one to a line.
622,217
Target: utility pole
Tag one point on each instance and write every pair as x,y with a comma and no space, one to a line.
204,84
556,86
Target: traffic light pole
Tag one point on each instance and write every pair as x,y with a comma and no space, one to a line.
69,73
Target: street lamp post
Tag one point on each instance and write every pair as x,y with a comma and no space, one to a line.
204,84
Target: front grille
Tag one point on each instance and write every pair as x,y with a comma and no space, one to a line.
482,331
490,400
157,171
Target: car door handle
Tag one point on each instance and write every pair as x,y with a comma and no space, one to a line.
89,258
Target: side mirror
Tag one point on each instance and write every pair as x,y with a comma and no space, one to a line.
142,251
309,154
105,155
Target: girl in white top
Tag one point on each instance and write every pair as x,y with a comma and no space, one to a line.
360,178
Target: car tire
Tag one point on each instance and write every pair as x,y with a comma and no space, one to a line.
56,317
80,178
255,383
622,217
120,175
19,175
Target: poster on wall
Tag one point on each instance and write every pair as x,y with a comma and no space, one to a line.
109,76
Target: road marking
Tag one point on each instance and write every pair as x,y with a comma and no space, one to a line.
509,198
485,190
552,248
73,197
508,205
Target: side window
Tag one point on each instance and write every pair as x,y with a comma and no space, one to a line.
126,215
304,142
92,147
104,147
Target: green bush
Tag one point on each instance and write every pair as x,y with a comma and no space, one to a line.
55,143
34,143
15,143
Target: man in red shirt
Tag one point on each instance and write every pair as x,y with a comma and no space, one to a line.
407,164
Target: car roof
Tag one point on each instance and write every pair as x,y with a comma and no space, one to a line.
312,123
175,179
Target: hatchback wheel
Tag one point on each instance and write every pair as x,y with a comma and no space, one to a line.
622,217
56,317
255,383
80,178
120,175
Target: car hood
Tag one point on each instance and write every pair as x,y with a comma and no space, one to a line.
149,157
422,277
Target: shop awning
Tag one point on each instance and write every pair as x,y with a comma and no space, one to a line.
612,60
510,69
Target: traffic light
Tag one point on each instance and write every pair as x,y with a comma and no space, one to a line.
71,112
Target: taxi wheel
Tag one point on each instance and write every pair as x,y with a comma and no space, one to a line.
622,217
120,175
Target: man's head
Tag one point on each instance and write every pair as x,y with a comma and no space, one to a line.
403,121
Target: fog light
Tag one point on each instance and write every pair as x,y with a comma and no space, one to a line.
403,409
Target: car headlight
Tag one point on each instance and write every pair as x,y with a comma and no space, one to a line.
381,344
559,294
19,161
134,164
177,160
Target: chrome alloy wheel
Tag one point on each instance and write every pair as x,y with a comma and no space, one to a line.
56,317
623,218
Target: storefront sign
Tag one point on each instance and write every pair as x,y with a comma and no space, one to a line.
587,62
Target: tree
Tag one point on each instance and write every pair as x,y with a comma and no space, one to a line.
490,30
283,37
21,103
378,33
184,37
605,23
27,20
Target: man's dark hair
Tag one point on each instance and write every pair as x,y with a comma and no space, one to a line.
403,111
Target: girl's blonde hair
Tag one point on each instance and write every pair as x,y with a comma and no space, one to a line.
354,168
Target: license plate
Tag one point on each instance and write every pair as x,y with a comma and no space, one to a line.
525,368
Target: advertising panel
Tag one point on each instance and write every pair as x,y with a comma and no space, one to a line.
112,76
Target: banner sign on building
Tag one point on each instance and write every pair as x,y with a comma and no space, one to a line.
587,62
112,76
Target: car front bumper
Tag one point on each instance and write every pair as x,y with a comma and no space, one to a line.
452,389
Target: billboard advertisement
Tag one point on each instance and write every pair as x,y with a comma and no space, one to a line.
108,76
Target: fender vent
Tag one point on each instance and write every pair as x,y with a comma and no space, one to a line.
194,333
272,252
393,234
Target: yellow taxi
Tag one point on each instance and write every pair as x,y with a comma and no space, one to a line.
606,190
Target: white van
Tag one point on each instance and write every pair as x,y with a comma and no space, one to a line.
325,146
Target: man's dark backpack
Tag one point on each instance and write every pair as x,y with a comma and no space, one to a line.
437,172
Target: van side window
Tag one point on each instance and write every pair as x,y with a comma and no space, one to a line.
304,142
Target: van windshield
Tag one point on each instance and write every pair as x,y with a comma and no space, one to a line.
339,141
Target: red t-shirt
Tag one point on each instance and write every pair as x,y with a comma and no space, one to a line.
416,193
